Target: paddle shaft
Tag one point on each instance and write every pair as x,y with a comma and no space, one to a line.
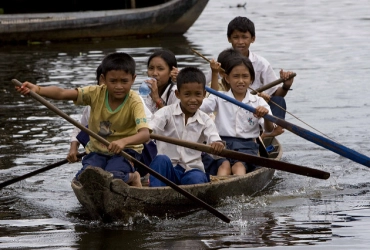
304,133
260,161
261,89
51,166
272,84
127,156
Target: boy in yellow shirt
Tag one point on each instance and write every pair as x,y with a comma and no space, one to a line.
117,114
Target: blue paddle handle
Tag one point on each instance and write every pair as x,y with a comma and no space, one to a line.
304,133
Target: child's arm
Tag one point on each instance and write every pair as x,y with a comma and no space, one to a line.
215,66
174,73
73,151
52,92
260,112
139,138
283,90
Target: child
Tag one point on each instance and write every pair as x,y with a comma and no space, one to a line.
237,126
218,81
80,137
241,34
117,114
162,66
184,121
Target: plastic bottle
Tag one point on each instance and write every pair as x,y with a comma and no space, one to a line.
144,90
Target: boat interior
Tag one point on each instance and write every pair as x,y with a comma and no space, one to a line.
40,6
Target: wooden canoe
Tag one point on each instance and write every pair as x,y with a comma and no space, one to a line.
109,199
168,17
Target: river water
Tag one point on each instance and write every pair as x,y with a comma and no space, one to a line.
327,43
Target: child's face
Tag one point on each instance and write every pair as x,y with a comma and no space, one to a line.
159,69
241,41
239,79
118,83
191,96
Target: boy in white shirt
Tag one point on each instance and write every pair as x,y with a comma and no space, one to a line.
184,121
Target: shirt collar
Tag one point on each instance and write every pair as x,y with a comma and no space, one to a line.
248,97
195,117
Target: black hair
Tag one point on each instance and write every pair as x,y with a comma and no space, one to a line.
118,61
242,24
169,57
98,73
225,56
189,75
239,60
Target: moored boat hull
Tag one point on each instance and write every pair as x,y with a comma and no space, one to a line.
173,17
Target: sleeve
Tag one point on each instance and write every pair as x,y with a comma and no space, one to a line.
158,121
268,76
210,132
209,104
84,95
262,102
139,114
84,121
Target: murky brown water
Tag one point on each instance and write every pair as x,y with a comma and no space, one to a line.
327,43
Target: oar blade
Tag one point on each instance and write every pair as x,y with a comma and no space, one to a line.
304,133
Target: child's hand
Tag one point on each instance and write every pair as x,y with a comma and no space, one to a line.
116,146
26,87
217,147
215,66
174,73
260,112
264,96
153,85
72,156
285,75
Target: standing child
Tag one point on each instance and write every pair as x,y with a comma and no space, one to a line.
117,114
162,68
237,126
184,121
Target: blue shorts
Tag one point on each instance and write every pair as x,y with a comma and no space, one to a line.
119,166
248,146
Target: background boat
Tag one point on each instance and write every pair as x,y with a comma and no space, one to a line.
50,24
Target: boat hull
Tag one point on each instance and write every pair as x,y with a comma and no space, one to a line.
111,199
173,17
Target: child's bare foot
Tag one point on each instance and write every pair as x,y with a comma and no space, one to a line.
277,131
134,179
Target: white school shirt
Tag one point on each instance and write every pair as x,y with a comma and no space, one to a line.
86,115
171,99
264,73
232,120
169,121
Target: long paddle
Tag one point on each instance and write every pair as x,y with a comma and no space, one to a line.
261,89
260,161
51,166
304,133
127,156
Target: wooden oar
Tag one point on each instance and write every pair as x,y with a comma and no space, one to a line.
304,133
272,84
261,89
51,166
127,156
260,161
